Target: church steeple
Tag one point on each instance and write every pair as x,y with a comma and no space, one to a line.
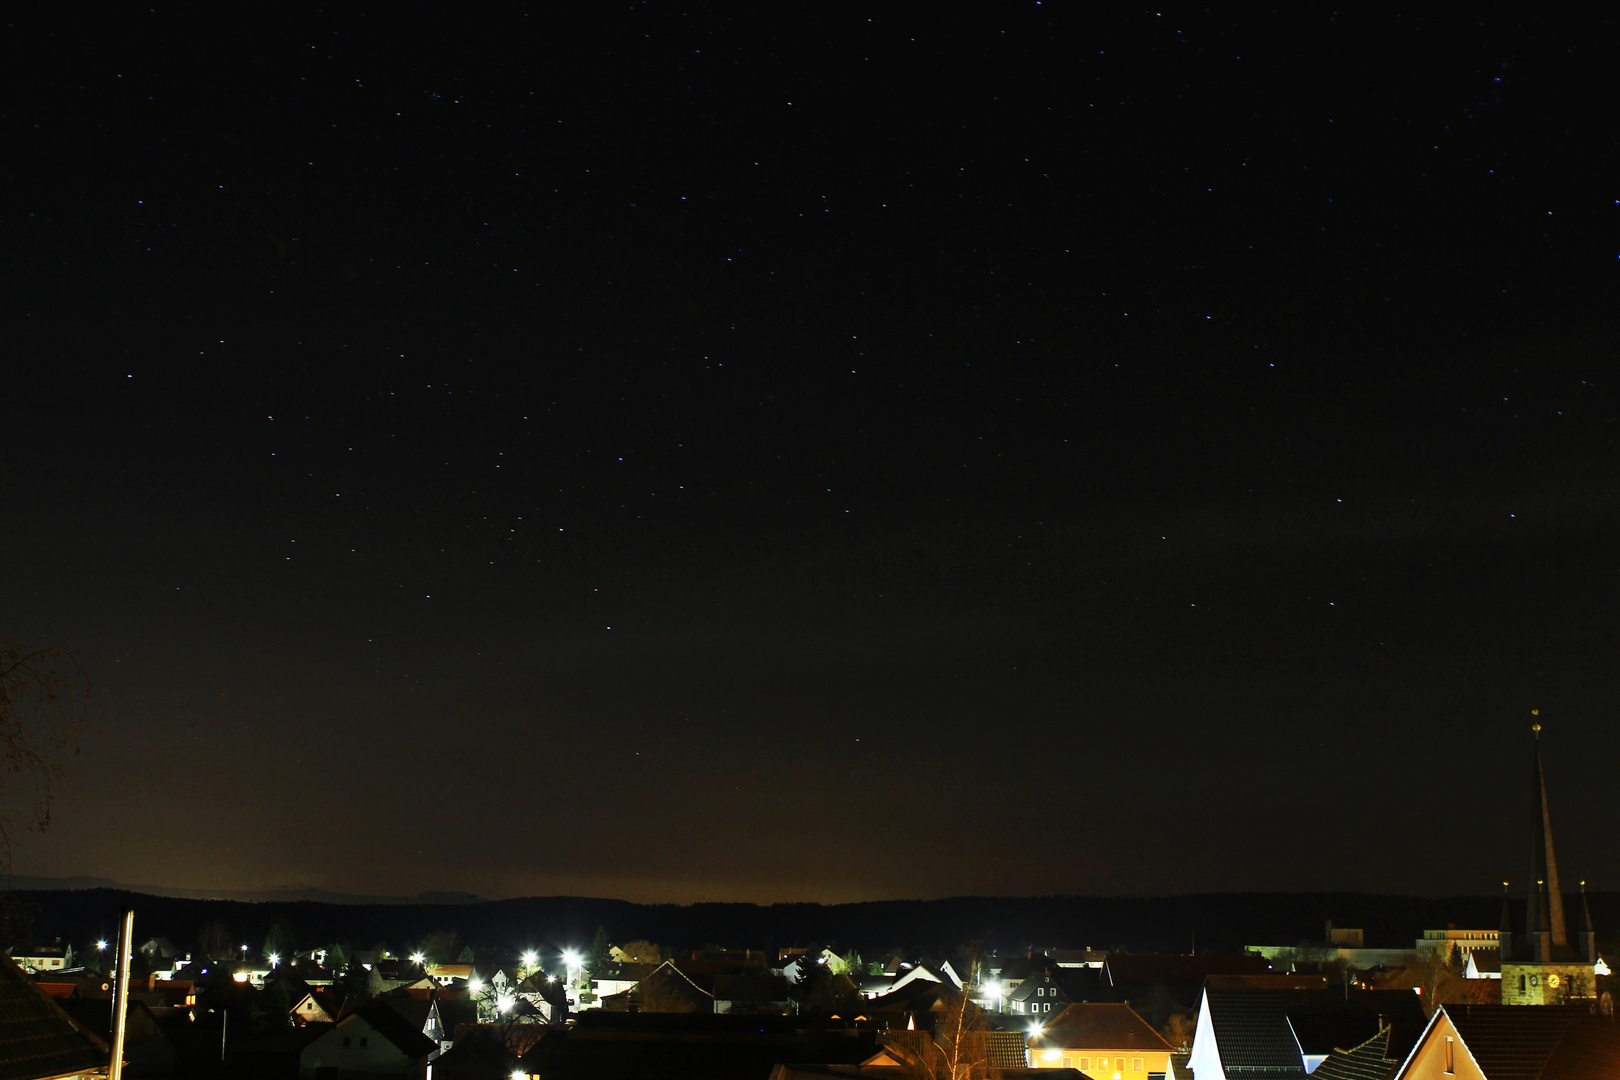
1544,914
1539,966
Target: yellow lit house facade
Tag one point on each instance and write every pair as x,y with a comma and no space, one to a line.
1104,1041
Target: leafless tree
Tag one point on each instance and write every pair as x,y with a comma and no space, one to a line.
43,693
961,1035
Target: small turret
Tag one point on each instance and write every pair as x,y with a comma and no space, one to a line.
1541,935
1505,935
1588,934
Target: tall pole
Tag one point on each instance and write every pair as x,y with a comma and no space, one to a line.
126,941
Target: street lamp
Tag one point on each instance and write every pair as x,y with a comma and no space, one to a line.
418,959
101,946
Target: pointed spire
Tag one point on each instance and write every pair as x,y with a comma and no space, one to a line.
1545,913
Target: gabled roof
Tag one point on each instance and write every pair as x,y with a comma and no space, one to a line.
37,1039
1102,1026
667,984
388,1023
1483,960
1545,1042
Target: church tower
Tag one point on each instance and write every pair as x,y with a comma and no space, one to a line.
1540,967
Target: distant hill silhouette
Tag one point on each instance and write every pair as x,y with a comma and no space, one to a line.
283,895
1221,922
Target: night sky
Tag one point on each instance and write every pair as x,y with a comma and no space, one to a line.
681,452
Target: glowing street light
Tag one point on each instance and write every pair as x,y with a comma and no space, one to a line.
529,958
274,959
101,946
475,984
418,959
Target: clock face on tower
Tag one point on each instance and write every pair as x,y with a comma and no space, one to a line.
1535,980
1552,980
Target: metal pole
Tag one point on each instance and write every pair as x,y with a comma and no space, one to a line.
126,941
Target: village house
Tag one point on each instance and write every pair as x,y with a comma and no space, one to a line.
1505,1042
373,1039
1106,1041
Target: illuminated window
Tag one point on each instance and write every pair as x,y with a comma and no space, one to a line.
1085,1063
1136,1064
1068,1063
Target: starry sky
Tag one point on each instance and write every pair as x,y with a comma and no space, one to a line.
681,452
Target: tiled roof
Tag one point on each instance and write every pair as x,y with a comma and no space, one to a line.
1519,1042
1102,1027
997,1049
1252,1033
38,1039
1369,1061
1589,1050
1004,1049
1260,1033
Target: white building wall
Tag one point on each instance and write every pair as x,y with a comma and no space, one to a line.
1205,1058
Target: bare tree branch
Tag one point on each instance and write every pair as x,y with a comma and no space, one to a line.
43,695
